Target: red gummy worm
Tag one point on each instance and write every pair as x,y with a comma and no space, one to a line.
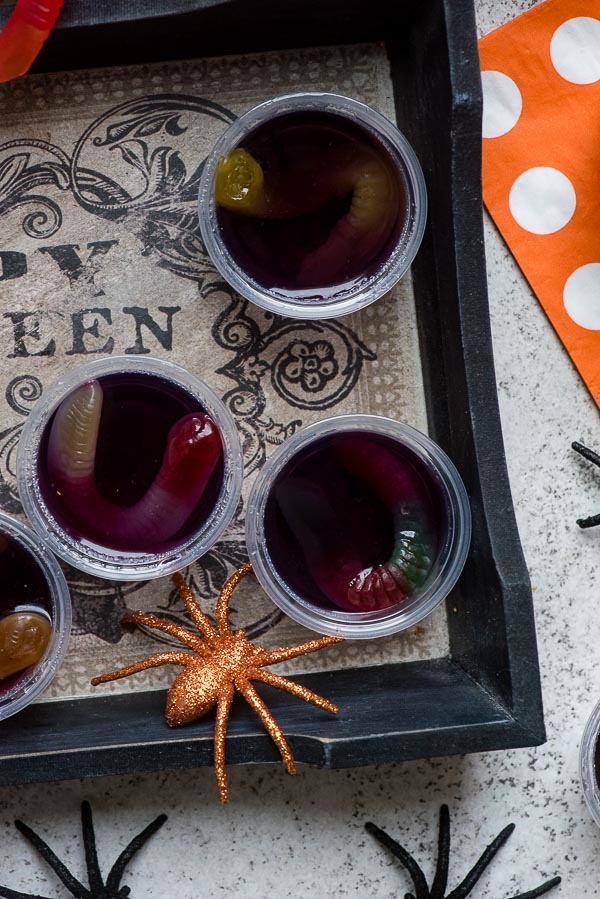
23,35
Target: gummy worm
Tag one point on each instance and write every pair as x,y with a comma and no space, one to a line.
412,556
23,35
359,171
192,451
336,561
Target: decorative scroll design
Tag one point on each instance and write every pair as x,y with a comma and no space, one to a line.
35,164
21,393
311,365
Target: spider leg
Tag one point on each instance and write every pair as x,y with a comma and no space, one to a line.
540,891
197,615
5,893
594,520
404,857
588,454
224,704
273,729
291,652
91,853
118,869
62,872
591,522
168,627
440,880
162,658
281,683
222,611
465,887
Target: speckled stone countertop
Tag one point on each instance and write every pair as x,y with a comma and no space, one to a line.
304,836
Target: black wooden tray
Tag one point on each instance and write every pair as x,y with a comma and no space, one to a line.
486,694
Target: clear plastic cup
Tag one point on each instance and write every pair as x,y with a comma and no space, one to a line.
590,750
33,682
310,304
453,544
92,557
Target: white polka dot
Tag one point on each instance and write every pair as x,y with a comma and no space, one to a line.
502,103
575,50
542,200
581,296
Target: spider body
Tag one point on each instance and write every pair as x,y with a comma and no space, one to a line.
196,690
220,662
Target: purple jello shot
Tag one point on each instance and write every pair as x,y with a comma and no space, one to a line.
35,616
358,526
312,205
589,764
130,468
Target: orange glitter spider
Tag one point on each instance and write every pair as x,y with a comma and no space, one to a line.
223,662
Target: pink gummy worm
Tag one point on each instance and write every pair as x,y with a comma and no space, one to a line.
336,551
23,35
192,452
384,585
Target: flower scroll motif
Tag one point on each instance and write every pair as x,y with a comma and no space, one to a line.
310,364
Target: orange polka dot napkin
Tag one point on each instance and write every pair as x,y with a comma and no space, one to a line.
541,162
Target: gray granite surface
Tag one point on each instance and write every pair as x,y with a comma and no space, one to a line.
304,836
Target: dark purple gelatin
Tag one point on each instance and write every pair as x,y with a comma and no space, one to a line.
331,514
304,156
22,584
138,412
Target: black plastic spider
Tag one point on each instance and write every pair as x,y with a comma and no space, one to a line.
594,458
440,880
98,888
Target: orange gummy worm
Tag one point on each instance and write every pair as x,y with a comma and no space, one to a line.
22,37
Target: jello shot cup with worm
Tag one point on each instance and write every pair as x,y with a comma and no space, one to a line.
35,616
312,205
358,526
129,468
589,764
